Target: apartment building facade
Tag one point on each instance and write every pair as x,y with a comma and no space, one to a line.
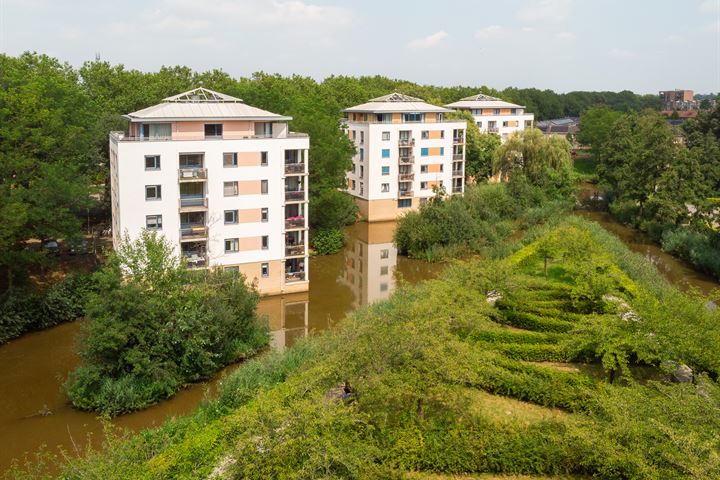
493,115
404,148
224,182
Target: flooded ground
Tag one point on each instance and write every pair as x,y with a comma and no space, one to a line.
34,411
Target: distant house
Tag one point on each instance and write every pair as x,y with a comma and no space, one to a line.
678,100
560,126
493,115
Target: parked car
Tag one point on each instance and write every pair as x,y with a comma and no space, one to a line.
51,246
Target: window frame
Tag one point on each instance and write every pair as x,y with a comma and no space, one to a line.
264,187
157,163
236,188
264,214
158,193
264,159
215,128
385,170
234,242
234,213
264,270
158,222
234,162
265,242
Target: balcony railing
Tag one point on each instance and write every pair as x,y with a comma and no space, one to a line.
294,195
457,189
457,140
195,259
405,193
407,159
190,174
193,232
295,222
457,173
294,250
294,276
407,142
199,202
493,129
457,156
291,168
406,177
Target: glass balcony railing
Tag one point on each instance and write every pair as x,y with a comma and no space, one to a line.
193,232
294,195
193,201
294,276
295,222
294,250
294,168
192,173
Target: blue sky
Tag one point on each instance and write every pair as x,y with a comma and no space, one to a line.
640,45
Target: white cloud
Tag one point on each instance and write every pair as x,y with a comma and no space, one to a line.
565,36
710,6
555,11
621,54
429,41
492,31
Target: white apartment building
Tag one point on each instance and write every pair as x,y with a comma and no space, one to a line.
224,182
404,148
493,115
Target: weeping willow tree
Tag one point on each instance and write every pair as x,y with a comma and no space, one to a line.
544,161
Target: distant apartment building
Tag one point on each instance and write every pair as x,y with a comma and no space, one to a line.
404,148
678,100
493,115
224,182
566,127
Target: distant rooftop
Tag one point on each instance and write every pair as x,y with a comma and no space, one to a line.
396,102
480,100
203,104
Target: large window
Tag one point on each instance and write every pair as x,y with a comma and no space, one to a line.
231,245
230,189
263,129
230,159
413,117
264,187
152,162
385,153
231,217
213,130
153,192
385,170
383,117
153,222
405,203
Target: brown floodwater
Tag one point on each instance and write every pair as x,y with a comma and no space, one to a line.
34,411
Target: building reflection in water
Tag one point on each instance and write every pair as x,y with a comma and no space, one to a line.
370,263
287,316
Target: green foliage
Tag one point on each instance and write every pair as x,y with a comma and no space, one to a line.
328,241
332,209
480,148
701,250
153,325
22,310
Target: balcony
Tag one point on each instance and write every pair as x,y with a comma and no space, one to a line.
294,222
406,142
493,129
457,189
457,156
457,173
195,259
294,277
406,159
192,174
295,250
294,168
295,195
458,140
406,177
193,232
405,193
193,204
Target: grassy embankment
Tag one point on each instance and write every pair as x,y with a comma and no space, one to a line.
442,382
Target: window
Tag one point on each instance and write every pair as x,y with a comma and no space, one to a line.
513,111
354,134
385,136
496,111
413,117
506,123
231,217
442,151
230,189
265,270
265,242
425,134
385,253
152,162
153,222
439,117
442,167
362,136
353,184
423,201
383,118
230,159
263,159
231,245
385,153
264,214
424,152
384,270
233,269
362,188
263,129
362,171
423,185
479,124
385,170
423,169
442,133
362,154
384,187
264,187
405,203
384,287
153,192
213,130
354,167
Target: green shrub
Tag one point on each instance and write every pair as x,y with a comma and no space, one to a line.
328,241
694,247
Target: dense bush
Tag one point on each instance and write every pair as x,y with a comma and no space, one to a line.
154,326
694,247
328,241
22,310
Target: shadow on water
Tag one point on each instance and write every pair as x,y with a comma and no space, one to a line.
34,411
